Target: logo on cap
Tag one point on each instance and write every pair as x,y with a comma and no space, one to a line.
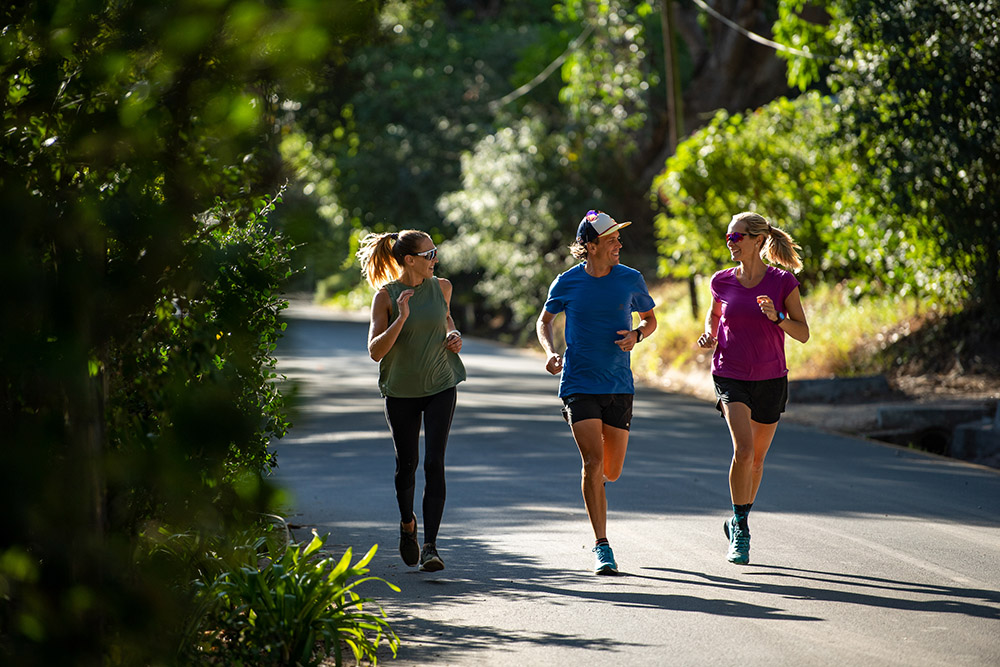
595,225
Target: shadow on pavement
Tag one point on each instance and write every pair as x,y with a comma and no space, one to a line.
946,599
513,473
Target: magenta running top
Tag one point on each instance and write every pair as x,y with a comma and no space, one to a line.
750,347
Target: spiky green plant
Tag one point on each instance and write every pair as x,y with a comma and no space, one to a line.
295,606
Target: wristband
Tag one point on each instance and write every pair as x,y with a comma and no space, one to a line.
781,317
453,331
638,332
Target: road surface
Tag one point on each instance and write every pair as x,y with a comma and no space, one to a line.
862,553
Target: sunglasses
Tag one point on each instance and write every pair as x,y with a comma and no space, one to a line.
735,237
427,254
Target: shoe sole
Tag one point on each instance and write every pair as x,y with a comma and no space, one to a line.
433,565
607,570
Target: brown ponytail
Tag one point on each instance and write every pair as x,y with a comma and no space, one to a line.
382,256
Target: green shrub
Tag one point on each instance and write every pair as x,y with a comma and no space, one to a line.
259,600
783,160
919,113
137,382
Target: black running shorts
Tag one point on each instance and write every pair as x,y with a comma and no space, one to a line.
612,409
765,398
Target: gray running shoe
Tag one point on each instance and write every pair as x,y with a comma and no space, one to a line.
429,559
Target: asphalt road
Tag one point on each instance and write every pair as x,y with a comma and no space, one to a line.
862,553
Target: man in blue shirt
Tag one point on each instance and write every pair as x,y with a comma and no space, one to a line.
598,296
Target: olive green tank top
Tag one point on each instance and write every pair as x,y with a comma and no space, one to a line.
418,364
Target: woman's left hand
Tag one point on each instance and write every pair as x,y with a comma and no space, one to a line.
453,341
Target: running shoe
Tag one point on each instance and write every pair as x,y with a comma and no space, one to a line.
409,549
429,559
605,560
739,542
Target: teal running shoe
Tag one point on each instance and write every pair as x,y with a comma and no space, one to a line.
605,560
739,542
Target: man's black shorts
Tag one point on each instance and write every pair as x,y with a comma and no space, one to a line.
612,409
765,398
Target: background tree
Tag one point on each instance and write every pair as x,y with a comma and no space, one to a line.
510,220
919,106
390,142
139,166
377,143
785,161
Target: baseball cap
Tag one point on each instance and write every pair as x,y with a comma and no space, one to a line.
596,224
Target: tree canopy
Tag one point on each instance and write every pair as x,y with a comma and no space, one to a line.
141,275
918,103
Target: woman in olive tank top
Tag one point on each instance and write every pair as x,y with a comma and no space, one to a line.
414,339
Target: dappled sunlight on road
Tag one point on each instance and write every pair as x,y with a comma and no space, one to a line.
860,551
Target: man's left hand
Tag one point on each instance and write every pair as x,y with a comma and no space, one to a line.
628,340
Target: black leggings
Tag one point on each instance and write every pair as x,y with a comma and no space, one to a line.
403,416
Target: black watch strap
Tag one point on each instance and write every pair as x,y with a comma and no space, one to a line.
638,332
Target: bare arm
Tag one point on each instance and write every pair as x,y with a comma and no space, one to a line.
453,339
709,338
382,335
647,325
795,324
543,329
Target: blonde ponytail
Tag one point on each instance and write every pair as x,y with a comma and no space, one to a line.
779,248
378,266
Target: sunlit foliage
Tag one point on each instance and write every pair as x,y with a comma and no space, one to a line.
508,227
784,160
918,101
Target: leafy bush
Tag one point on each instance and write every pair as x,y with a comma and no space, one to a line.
508,225
262,602
919,109
784,161
193,390
139,142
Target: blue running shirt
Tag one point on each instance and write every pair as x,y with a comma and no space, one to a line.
596,310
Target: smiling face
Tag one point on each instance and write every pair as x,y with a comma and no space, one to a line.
605,250
420,264
744,248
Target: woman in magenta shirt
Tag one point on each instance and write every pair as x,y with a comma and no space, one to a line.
754,305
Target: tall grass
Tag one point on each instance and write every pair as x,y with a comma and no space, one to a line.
846,336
